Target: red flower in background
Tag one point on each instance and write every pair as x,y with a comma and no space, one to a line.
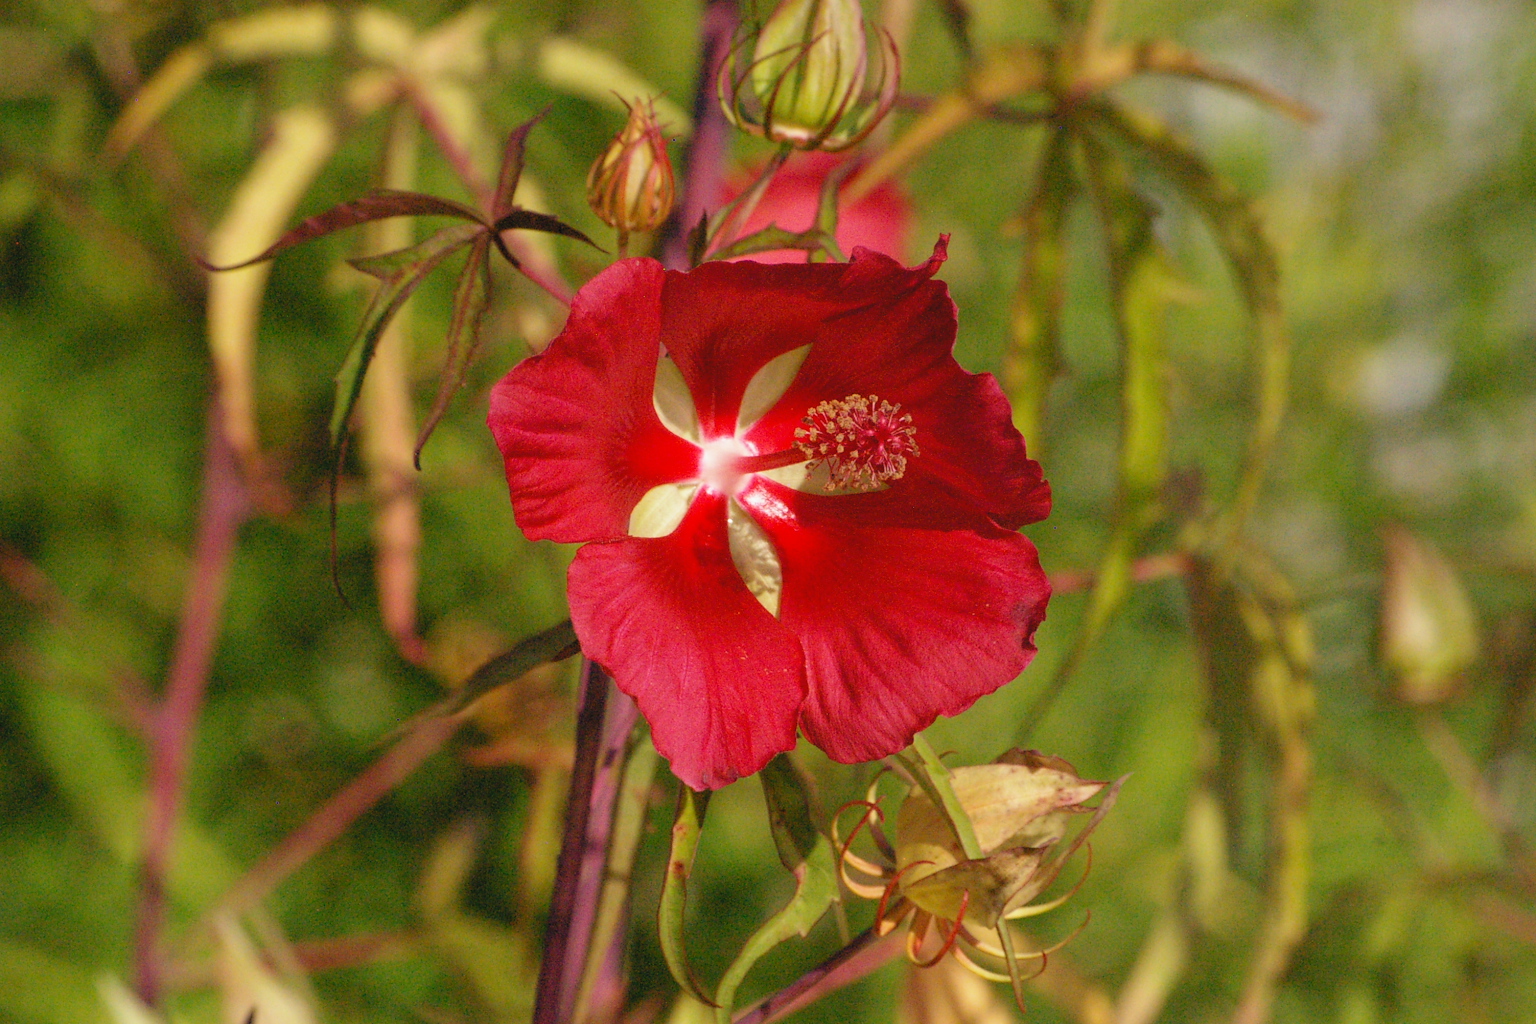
878,221
800,510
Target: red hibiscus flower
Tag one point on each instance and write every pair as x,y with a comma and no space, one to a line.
800,511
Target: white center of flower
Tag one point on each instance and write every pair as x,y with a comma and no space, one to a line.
849,445
719,465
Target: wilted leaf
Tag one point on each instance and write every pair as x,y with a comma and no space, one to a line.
302,139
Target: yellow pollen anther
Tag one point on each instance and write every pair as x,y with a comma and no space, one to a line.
864,440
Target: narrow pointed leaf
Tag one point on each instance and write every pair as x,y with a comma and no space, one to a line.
471,298
512,166
556,643
808,853
528,220
773,237
376,205
686,826
1240,236
400,272
1140,287
1033,359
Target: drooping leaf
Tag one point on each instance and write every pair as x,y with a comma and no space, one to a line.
471,298
376,205
1140,288
686,825
556,643
807,853
399,273
300,142
1237,231
1033,359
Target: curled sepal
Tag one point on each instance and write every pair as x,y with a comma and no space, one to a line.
809,76
686,825
1024,800
807,854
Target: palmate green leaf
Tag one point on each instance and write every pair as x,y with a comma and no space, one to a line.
399,273
686,826
1033,358
807,854
471,298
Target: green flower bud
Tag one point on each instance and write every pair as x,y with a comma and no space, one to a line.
631,185
1428,629
813,79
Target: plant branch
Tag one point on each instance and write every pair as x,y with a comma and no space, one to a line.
865,954
704,162
603,723
225,505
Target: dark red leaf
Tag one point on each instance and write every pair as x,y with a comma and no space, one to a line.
512,165
471,297
377,205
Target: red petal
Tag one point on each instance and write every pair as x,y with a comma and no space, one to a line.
576,424
893,339
718,678
899,624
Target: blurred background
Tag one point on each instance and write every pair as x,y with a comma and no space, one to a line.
172,645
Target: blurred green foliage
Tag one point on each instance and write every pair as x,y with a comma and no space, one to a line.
1406,227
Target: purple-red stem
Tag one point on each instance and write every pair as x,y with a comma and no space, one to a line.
224,506
864,955
325,825
603,723
704,164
